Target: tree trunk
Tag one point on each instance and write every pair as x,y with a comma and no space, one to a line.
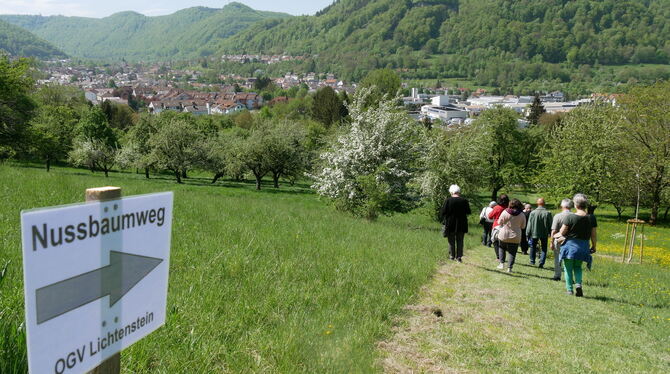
655,202
494,193
258,181
106,172
619,212
657,190
217,176
178,176
146,172
183,174
275,180
665,216
48,164
655,205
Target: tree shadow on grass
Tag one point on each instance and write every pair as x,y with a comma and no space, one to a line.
31,165
513,275
433,229
526,265
537,276
247,185
195,181
608,299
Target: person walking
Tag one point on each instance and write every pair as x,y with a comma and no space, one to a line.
512,223
556,224
454,216
524,239
487,223
538,230
503,202
578,228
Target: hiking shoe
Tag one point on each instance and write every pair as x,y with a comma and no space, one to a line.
570,293
541,266
556,279
451,258
459,260
578,292
500,266
509,270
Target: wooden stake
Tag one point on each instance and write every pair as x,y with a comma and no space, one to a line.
103,194
641,244
113,364
625,244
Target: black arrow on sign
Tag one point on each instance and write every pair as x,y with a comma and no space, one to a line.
124,271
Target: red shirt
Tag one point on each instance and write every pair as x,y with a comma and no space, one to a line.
495,214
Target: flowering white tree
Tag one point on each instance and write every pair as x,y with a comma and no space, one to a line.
94,154
369,168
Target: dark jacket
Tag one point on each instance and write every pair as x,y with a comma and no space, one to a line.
454,214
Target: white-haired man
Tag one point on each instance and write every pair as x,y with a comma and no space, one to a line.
556,224
454,216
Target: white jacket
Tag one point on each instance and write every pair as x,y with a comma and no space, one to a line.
485,214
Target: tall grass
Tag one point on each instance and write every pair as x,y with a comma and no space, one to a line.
270,281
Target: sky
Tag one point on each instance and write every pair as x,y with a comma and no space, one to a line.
97,8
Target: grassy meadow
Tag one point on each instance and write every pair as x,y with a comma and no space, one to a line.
277,281
270,281
523,322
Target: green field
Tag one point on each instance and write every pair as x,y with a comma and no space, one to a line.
524,322
277,281
270,281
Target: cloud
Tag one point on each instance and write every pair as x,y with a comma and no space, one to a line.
45,7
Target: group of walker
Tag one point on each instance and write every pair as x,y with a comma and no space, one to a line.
508,225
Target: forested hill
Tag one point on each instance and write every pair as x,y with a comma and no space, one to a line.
186,34
19,42
372,33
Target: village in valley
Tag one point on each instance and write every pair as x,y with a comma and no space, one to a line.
159,88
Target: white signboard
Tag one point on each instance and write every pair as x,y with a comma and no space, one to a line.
96,278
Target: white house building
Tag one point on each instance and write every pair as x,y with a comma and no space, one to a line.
447,113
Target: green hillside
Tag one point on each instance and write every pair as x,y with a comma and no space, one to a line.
461,37
19,42
188,33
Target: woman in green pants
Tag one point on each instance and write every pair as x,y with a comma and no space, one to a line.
578,229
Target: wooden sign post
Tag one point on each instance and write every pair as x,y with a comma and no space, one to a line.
113,364
631,234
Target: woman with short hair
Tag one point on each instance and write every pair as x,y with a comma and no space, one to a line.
454,216
512,223
578,229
